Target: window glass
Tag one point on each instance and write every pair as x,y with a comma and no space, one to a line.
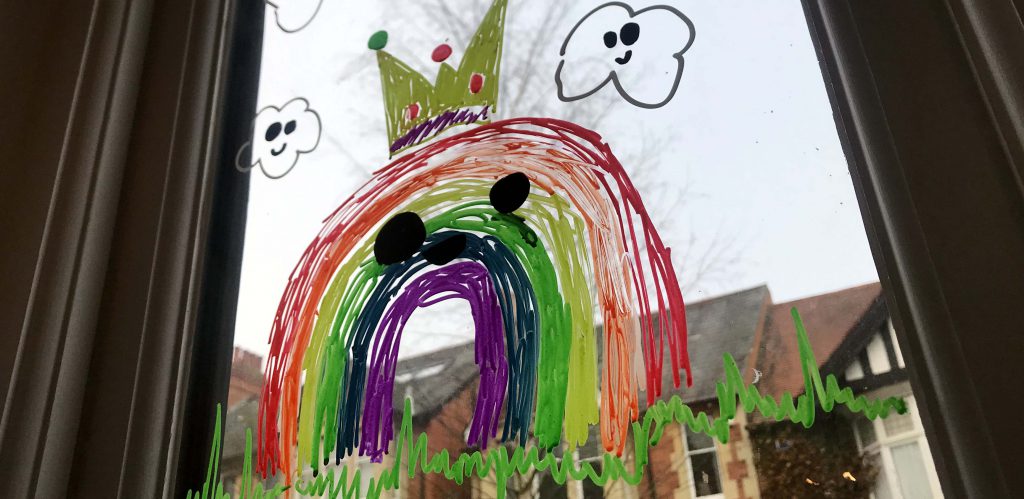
897,449
703,461
698,441
712,172
705,473
883,488
909,465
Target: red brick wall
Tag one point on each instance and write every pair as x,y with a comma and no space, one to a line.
446,430
662,474
246,376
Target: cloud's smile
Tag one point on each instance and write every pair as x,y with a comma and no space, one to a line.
640,52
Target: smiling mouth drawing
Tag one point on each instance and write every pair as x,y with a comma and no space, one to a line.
624,59
278,152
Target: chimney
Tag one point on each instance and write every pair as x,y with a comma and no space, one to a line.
246,376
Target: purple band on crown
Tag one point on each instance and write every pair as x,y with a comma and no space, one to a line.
437,124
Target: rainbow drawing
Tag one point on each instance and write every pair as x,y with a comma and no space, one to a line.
532,221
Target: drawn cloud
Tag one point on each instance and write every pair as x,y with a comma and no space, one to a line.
280,135
293,15
640,52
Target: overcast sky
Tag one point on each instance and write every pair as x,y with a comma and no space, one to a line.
748,142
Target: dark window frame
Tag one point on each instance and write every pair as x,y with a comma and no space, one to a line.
928,99
117,311
121,136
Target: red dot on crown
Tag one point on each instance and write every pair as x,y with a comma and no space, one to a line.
476,83
442,52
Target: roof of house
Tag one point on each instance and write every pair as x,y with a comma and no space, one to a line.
240,417
828,318
434,378
744,324
726,324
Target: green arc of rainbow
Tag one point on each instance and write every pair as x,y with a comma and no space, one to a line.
576,237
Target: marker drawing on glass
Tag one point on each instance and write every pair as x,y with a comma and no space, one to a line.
293,15
563,209
280,136
734,396
639,52
536,225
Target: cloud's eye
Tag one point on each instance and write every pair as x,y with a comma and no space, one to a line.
399,238
646,74
629,33
273,131
609,39
281,135
509,193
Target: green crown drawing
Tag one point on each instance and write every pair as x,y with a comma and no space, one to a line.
417,110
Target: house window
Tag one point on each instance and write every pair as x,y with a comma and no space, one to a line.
855,371
702,462
899,449
878,356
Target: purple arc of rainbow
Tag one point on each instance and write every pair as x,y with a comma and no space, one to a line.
637,292
469,281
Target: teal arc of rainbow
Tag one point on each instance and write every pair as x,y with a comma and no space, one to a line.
533,279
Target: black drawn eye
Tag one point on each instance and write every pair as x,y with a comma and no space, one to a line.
609,39
629,33
446,250
289,127
399,238
509,193
273,131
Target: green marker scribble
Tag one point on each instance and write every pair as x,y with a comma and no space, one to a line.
213,487
733,395
563,305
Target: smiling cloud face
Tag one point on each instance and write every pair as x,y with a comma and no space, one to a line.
293,15
639,52
281,134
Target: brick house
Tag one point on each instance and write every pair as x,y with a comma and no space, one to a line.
851,336
243,398
440,384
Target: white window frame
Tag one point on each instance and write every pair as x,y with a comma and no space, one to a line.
579,483
883,445
364,464
689,466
